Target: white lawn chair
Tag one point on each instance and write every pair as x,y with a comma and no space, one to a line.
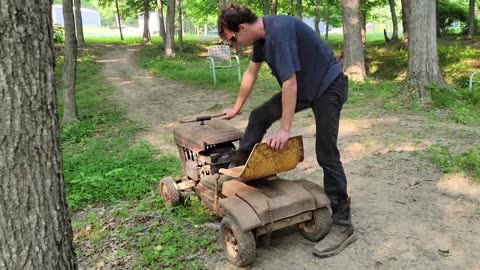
219,57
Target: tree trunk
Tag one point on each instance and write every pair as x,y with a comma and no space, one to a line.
423,68
69,65
146,18
290,4
119,21
266,7
327,25
161,20
353,52
394,21
35,227
180,25
169,49
405,21
274,7
299,9
78,23
317,15
437,19
363,21
221,4
471,21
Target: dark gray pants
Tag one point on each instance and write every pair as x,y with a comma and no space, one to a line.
327,115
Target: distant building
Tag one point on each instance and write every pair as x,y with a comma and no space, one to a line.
90,17
153,22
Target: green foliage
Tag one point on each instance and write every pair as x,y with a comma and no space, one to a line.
463,102
155,236
454,16
468,162
58,33
101,164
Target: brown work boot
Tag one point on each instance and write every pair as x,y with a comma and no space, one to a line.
341,234
210,180
336,240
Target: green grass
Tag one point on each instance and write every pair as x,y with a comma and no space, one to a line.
102,163
467,163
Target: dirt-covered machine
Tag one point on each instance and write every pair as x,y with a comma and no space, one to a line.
254,201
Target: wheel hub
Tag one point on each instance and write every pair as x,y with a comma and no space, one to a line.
231,243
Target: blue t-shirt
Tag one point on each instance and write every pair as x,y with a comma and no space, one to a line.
292,46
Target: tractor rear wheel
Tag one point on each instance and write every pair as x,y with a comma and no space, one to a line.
318,227
239,246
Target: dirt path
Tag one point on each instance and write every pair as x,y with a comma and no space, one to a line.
408,215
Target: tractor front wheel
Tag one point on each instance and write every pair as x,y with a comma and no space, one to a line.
168,189
239,246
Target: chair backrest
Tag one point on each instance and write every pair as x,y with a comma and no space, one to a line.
219,52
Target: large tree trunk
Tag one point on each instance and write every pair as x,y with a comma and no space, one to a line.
394,20
169,49
274,7
69,65
146,18
35,228
299,9
119,21
266,7
423,68
405,21
327,24
353,52
78,23
317,15
161,20
471,21
180,25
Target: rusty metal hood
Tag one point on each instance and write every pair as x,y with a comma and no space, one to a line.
197,137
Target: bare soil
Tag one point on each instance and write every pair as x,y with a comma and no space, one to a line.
408,214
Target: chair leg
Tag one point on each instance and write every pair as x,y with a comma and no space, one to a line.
214,76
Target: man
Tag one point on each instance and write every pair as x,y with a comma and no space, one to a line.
310,76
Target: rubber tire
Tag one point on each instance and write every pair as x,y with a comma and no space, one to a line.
172,198
318,226
245,241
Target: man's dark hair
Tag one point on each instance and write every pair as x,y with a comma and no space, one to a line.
232,16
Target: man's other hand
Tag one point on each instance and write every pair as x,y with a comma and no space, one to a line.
229,114
278,140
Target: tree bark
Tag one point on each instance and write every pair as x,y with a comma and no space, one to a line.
161,20
146,18
317,15
471,20
405,21
79,24
353,51
221,4
169,49
274,7
394,20
327,25
119,21
180,25
266,7
290,4
423,68
35,227
69,65
363,21
299,9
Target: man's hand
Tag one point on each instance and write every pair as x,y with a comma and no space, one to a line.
278,140
229,114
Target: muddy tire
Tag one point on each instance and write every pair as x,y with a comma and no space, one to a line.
318,227
169,192
239,246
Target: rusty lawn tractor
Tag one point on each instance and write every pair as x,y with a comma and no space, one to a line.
252,199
